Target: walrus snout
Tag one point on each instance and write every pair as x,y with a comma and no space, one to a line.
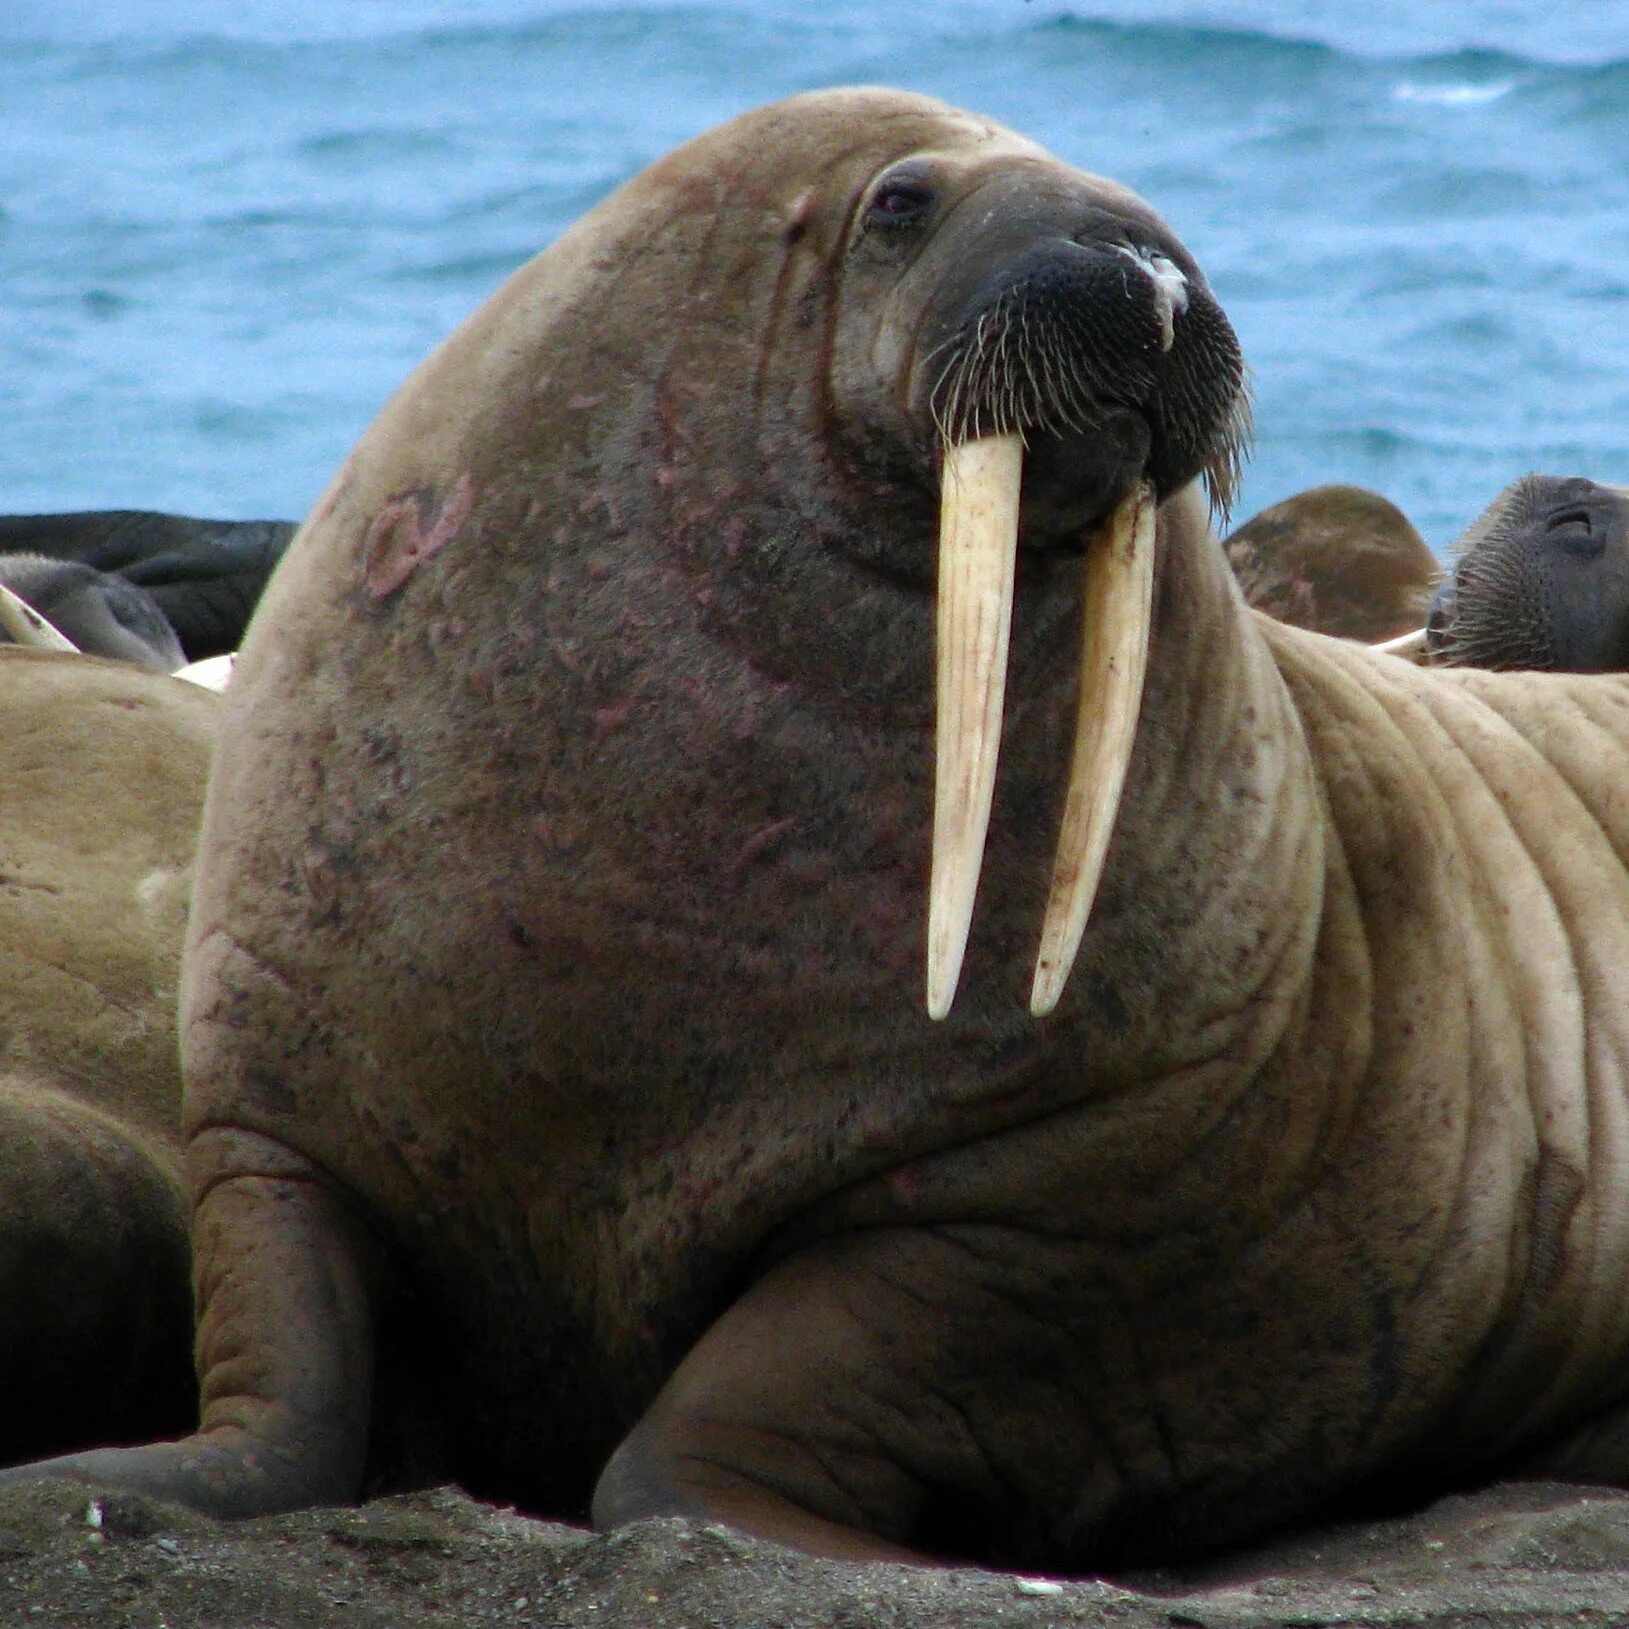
1080,373
1111,358
1539,580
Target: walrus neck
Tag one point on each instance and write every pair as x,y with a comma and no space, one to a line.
1198,966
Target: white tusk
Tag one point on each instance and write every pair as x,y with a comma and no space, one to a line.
28,627
978,547
1119,597
212,672
1410,646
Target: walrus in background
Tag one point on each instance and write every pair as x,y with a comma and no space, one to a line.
99,802
1338,560
99,613
205,576
553,1006
1539,580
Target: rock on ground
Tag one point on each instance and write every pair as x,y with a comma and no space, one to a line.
1520,1556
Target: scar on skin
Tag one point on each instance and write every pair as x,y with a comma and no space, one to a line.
408,531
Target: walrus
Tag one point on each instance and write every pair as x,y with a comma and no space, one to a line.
204,575
99,806
602,1062
96,611
1338,559
1539,580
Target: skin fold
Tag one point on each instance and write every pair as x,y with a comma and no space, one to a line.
561,1105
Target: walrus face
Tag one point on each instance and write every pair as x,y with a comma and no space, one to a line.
1015,295
1540,580
1043,342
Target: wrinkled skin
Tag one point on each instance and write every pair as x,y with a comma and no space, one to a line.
1540,580
1336,559
557,1068
102,786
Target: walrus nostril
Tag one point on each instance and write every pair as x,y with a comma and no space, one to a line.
1170,286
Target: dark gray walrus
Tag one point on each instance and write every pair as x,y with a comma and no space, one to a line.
100,613
1540,580
559,1076
205,576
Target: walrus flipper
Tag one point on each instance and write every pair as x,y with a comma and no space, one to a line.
774,1425
93,1274
284,1349
863,1401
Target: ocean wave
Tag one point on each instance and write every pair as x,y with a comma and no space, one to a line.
1451,95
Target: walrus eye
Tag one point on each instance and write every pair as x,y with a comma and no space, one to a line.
901,199
1571,529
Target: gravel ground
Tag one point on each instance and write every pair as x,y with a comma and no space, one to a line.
1520,1556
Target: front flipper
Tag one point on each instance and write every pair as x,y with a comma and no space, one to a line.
285,1345
866,1400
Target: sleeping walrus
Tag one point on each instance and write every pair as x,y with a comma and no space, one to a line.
97,612
99,798
1539,580
557,1052
204,576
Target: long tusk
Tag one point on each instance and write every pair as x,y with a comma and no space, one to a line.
1119,595
27,626
978,545
1410,646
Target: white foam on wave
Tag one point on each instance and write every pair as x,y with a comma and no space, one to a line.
1453,95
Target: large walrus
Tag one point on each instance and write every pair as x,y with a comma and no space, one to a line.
1540,580
560,1074
101,782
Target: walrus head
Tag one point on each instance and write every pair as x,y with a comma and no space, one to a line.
1539,580
800,370
1014,356
1066,367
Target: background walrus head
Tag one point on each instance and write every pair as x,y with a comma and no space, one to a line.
1540,580
97,611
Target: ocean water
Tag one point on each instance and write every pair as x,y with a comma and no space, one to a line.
228,230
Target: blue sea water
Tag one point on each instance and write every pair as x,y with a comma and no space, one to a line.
228,230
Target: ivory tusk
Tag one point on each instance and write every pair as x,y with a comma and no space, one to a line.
28,627
1119,594
978,544
1410,646
212,672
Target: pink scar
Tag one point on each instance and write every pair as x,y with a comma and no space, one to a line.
407,531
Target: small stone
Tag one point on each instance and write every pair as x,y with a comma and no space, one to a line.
1039,1586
